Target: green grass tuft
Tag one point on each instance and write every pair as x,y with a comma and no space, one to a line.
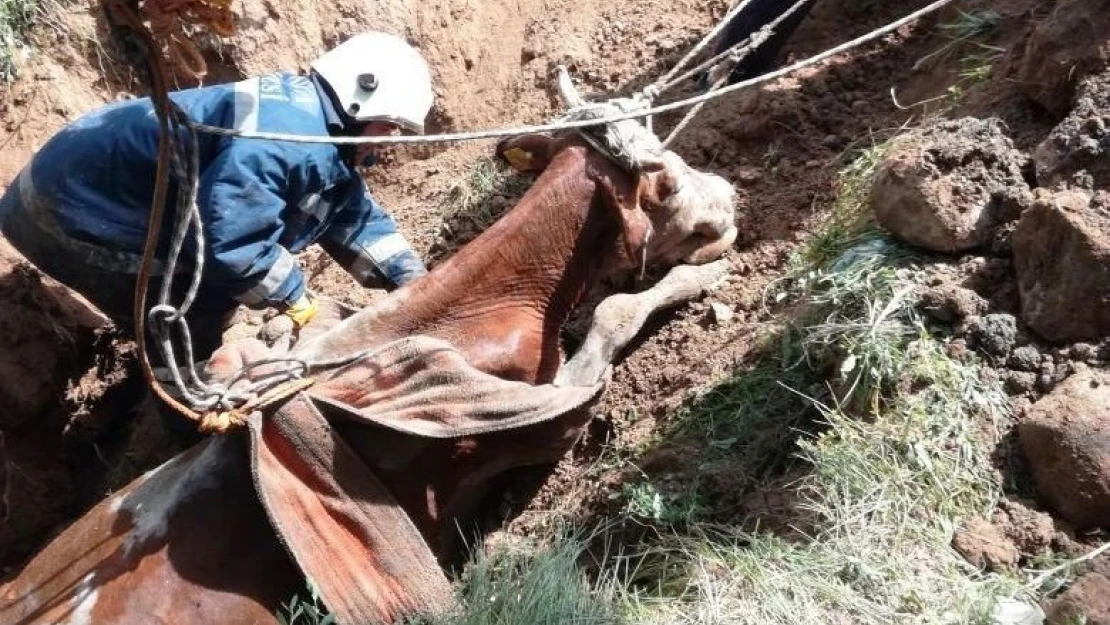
530,584
298,611
473,198
898,462
850,221
16,17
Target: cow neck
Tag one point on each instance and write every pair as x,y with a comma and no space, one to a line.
542,255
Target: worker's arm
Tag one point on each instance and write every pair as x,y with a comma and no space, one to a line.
364,239
241,215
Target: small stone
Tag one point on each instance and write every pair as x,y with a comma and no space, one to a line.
949,187
831,141
1014,612
748,174
1019,382
985,546
1046,382
721,313
995,334
1066,439
1061,250
860,106
1025,358
957,349
949,303
1083,352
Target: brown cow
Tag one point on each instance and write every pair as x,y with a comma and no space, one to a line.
194,540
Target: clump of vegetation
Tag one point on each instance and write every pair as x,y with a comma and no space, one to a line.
476,196
897,462
967,35
473,204
16,17
299,611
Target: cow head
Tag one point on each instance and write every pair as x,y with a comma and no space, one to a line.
670,213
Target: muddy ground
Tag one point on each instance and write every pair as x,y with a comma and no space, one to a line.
68,384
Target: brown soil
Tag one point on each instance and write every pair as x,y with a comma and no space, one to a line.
1087,601
781,146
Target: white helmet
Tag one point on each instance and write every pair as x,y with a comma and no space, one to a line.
376,76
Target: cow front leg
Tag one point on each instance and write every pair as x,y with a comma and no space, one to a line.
619,318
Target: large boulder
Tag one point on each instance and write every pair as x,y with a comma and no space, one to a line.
1062,258
1071,41
1087,601
1077,151
948,188
1066,439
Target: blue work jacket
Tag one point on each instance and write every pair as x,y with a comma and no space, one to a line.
260,202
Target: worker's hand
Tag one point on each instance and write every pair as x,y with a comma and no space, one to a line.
303,310
282,329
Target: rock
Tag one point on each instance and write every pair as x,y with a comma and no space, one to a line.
949,303
748,174
1014,612
1031,531
1083,352
1072,41
1077,151
949,187
994,334
720,313
1066,438
984,546
1062,261
1087,601
1019,382
957,349
1025,358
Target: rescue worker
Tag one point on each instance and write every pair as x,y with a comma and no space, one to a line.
79,210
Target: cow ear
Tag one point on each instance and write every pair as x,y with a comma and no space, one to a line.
656,185
620,192
527,153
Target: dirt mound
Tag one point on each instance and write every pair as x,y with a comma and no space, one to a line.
1077,151
1070,42
985,546
1087,601
1066,437
948,187
43,330
1062,256
46,335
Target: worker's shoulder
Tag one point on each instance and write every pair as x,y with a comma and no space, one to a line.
285,102
281,102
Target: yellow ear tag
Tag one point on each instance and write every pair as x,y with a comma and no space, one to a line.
518,158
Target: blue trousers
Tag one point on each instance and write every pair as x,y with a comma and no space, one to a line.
111,290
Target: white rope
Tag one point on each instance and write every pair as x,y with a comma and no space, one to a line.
664,82
693,112
558,126
728,61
